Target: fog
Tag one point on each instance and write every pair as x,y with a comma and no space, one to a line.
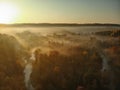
33,43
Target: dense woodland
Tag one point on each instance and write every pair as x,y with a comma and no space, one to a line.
59,65
11,72
55,71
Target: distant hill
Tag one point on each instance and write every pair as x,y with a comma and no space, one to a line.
56,24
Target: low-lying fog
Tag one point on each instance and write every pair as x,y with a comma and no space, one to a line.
28,46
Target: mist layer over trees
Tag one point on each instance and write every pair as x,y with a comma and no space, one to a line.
60,61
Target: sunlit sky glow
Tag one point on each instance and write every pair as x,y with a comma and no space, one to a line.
64,11
9,12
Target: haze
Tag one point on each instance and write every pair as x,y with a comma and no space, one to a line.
67,11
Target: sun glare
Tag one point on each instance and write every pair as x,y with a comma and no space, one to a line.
8,13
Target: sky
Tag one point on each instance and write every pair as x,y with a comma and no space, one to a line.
67,11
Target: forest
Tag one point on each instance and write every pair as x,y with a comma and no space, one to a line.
64,61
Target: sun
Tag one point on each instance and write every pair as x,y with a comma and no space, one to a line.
8,12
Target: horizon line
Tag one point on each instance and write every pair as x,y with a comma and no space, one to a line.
57,23
60,24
